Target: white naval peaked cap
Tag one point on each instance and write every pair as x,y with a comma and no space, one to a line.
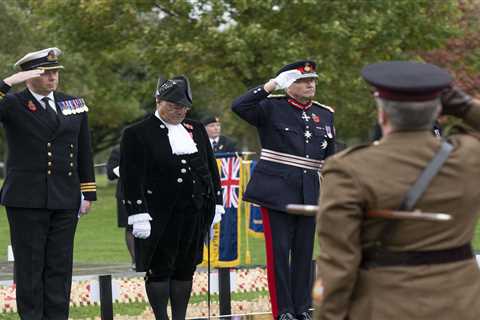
46,59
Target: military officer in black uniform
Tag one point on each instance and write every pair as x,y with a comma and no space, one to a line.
296,134
50,182
220,143
172,194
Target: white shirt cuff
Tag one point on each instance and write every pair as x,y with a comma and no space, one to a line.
116,170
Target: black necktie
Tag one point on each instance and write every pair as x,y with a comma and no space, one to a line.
52,115
214,145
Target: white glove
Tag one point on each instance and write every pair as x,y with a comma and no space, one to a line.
22,76
219,211
286,78
141,225
116,170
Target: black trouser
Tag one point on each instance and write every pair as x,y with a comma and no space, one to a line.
42,242
289,248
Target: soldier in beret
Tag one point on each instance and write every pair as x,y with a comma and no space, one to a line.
49,172
296,134
172,194
372,268
220,143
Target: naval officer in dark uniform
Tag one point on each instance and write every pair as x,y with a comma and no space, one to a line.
296,134
172,194
50,182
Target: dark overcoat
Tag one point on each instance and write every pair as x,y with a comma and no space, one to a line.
225,144
154,180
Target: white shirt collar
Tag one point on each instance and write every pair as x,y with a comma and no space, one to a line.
40,97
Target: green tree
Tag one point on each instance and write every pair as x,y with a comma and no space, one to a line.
225,47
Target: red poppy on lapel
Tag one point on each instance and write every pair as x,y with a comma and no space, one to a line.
315,118
31,106
189,128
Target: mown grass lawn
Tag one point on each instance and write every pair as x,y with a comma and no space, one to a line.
99,240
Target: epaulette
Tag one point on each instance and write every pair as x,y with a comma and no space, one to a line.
349,150
324,106
272,96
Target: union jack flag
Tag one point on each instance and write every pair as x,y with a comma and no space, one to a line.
230,178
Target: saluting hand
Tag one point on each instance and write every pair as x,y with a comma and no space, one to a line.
22,76
286,78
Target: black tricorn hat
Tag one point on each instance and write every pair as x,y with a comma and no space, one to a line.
176,90
407,80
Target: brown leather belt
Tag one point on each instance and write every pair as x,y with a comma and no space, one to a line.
379,257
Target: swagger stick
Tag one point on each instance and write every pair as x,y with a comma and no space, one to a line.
386,214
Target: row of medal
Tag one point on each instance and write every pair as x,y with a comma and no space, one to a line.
73,106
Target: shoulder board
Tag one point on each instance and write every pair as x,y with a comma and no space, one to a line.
323,106
272,96
350,150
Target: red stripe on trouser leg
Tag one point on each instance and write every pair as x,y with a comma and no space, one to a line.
272,287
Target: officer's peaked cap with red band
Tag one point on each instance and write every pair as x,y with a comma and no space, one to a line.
306,67
407,80
176,90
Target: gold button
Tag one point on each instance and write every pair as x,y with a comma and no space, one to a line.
71,155
71,146
70,173
49,144
49,154
71,164
49,163
49,172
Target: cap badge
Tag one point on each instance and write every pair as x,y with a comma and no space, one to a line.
31,106
307,67
51,56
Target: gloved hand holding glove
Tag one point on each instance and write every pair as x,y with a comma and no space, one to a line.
141,225
455,102
286,78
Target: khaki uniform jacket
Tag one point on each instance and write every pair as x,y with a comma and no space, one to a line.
377,177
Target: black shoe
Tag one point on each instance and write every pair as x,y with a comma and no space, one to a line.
286,316
305,316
